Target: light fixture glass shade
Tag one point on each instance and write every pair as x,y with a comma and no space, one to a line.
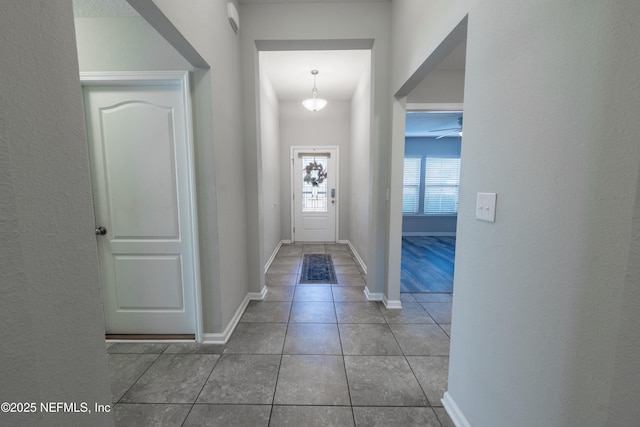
314,104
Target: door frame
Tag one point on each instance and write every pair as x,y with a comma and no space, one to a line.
318,148
141,78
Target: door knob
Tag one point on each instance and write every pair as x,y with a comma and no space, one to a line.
101,231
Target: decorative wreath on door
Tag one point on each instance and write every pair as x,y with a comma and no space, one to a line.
315,173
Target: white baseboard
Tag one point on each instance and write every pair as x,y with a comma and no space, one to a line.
355,254
428,233
149,341
273,256
391,304
222,338
454,411
258,296
372,296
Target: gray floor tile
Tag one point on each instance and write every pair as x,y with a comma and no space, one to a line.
337,248
346,269
421,340
313,293
350,280
411,312
313,249
242,378
312,338
382,381
281,280
287,260
441,312
311,416
312,380
125,370
280,293
173,378
257,338
444,418
267,311
289,250
432,373
135,414
342,259
136,347
446,328
386,416
432,297
368,339
358,312
195,348
348,293
284,269
228,416
313,312
405,297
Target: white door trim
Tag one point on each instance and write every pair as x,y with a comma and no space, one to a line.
139,78
319,148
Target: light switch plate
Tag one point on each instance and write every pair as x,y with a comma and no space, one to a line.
486,207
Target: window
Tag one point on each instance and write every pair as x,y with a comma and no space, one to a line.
314,198
441,186
411,185
433,189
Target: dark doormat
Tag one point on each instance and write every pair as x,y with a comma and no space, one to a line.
317,268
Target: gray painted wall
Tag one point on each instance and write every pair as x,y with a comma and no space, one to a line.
124,44
221,161
272,165
335,21
50,308
440,86
431,224
330,126
360,167
543,297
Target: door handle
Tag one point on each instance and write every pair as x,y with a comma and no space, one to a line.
333,193
101,231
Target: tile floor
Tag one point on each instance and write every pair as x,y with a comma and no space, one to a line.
308,355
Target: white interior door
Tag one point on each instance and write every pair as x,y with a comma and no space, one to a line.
140,162
315,194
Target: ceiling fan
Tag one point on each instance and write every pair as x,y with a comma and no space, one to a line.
450,131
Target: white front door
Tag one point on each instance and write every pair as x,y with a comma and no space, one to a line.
315,193
140,163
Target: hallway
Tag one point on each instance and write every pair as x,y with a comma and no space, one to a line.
311,355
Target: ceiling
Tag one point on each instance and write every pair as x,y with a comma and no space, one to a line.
339,72
420,123
290,71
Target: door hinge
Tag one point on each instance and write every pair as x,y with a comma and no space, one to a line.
294,230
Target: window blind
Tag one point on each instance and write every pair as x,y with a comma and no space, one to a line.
411,185
442,185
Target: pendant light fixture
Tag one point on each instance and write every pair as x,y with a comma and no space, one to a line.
314,103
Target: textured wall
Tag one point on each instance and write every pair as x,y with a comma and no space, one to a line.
221,164
330,126
50,310
123,44
271,165
331,21
360,168
550,98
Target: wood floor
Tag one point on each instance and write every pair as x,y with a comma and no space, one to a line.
427,264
